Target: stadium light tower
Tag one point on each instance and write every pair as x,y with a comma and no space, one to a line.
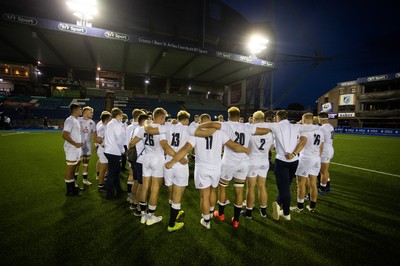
257,44
84,10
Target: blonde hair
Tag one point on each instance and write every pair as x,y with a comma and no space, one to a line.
159,112
87,108
234,112
258,116
182,115
136,113
308,116
115,112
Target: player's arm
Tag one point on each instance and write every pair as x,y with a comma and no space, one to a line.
168,150
216,125
66,136
96,138
133,142
307,127
179,155
152,130
262,131
99,140
204,132
297,150
237,147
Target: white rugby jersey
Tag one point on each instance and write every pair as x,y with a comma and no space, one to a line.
177,135
100,129
259,147
314,141
88,126
72,126
151,142
208,150
328,131
140,148
239,133
129,132
114,138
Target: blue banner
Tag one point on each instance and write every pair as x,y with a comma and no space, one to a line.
369,131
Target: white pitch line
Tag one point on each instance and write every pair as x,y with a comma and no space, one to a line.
11,134
365,169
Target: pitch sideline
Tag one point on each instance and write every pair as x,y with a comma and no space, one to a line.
365,169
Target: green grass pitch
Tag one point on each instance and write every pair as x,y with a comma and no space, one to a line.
358,223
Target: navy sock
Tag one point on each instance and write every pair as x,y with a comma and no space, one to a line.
172,217
236,212
221,209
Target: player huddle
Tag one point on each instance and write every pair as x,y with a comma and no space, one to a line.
225,153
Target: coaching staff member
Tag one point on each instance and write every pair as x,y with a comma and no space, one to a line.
114,138
286,160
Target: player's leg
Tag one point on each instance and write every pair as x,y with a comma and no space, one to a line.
76,172
156,183
102,172
129,184
70,180
313,193
226,176
85,167
250,196
301,192
138,172
102,165
324,175
262,195
177,193
205,207
238,186
143,197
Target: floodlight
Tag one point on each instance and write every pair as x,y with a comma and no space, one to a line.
84,10
257,44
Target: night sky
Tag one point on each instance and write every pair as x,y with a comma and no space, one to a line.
361,39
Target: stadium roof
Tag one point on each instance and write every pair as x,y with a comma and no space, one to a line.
26,39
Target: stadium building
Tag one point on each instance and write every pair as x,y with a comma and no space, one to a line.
368,102
138,54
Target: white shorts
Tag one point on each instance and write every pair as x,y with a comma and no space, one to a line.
72,153
206,176
308,165
87,149
238,171
258,170
327,155
177,175
153,166
100,154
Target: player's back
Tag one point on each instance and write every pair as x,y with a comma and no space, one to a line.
177,135
313,143
329,132
239,133
151,142
208,149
